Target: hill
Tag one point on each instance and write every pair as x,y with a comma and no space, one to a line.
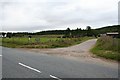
114,28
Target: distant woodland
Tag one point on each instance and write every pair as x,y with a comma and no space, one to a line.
69,33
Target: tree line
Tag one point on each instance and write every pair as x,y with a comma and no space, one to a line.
68,32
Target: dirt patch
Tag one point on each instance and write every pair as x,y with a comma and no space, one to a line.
78,52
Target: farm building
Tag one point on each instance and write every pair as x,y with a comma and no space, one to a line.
113,34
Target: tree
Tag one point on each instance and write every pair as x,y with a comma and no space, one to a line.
88,28
68,32
68,29
89,31
119,31
9,34
3,34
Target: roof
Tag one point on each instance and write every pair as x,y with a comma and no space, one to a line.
112,33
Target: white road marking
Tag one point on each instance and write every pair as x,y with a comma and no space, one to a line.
0,55
55,77
29,67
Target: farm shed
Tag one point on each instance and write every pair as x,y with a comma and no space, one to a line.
113,34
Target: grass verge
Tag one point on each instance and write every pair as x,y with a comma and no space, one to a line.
108,48
42,42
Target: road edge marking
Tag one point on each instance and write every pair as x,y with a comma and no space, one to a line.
29,67
55,77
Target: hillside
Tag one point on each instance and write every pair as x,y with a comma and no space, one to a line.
114,28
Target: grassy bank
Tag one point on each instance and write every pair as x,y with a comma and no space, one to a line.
108,48
42,42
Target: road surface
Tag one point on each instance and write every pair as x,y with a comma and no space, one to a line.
21,64
17,63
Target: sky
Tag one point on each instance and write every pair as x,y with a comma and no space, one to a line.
38,15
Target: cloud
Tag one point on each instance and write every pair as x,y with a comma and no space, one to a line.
34,15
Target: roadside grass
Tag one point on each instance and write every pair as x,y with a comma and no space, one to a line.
107,47
42,42
48,36
0,41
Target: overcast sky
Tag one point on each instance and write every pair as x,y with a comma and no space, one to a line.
37,15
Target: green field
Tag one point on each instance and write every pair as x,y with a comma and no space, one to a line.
108,48
41,42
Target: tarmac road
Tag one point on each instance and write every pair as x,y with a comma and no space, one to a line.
26,64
